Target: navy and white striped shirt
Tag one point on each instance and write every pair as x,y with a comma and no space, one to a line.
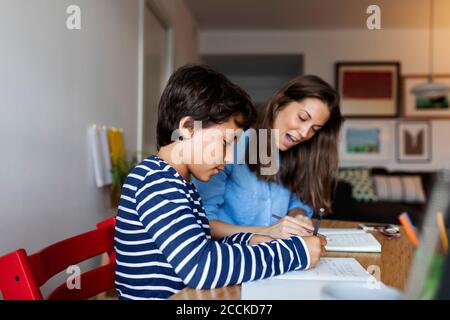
163,240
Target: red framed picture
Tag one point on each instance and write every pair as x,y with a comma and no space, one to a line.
368,89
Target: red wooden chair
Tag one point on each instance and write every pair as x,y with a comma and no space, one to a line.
22,275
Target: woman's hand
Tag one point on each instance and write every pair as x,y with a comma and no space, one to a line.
316,248
258,238
288,226
301,215
307,223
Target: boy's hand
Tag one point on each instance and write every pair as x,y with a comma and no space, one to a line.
324,242
316,247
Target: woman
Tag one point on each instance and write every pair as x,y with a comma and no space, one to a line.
242,198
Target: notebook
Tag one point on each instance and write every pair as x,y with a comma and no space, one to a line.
350,240
308,284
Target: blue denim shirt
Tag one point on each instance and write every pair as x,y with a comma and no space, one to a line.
237,196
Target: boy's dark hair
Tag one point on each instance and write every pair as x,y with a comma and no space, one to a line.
205,95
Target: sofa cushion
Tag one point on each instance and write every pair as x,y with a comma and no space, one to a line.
362,183
407,189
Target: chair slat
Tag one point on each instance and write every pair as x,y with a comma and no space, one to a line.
92,283
21,275
57,257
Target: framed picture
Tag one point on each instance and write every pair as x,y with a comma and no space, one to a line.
413,141
368,141
368,89
424,108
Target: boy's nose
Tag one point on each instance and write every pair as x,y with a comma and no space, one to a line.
228,156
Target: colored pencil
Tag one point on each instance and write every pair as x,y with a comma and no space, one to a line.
441,224
409,228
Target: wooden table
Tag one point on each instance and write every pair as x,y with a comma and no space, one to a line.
394,262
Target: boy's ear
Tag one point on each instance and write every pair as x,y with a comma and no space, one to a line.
186,127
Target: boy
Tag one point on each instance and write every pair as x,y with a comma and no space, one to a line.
162,240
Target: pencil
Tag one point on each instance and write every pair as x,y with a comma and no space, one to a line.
441,224
319,218
409,228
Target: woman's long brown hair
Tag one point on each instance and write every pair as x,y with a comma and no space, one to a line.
308,169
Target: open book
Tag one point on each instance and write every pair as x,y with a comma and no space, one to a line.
308,284
350,240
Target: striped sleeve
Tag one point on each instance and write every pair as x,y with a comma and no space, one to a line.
199,261
241,237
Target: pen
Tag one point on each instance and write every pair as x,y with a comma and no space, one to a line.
316,228
310,231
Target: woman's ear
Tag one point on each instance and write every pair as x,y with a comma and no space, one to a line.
186,127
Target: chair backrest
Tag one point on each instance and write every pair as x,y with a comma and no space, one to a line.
22,275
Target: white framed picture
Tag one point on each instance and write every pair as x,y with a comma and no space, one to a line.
414,141
366,140
425,108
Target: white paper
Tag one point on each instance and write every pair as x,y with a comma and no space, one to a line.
106,156
350,240
340,269
94,141
308,284
98,141
329,231
283,289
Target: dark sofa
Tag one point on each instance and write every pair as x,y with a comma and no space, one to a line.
346,208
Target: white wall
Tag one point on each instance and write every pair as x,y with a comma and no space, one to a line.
54,83
321,49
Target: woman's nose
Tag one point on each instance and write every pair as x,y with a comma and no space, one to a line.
303,133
